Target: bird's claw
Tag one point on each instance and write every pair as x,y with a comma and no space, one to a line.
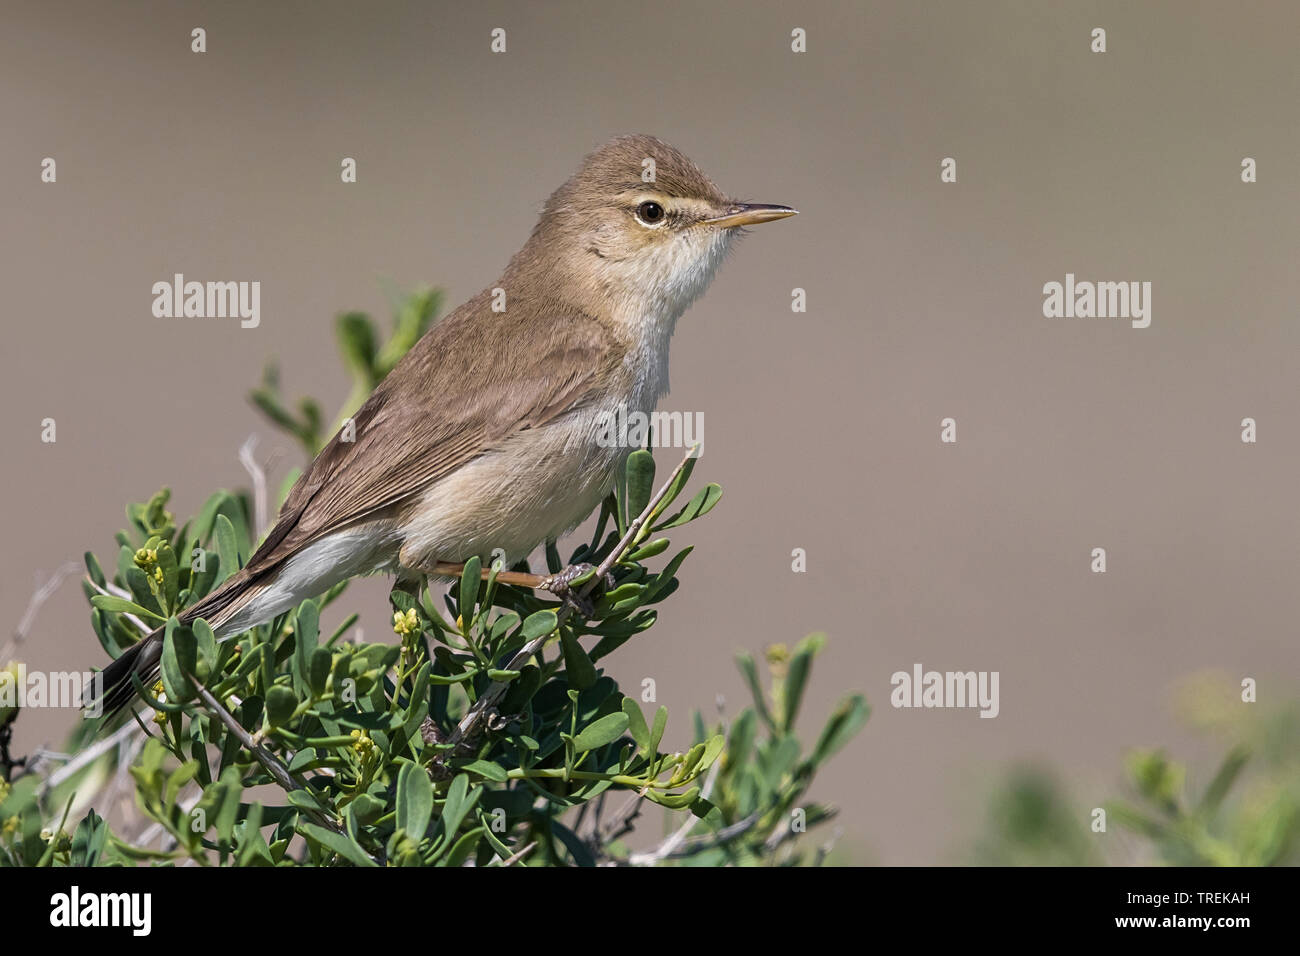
562,585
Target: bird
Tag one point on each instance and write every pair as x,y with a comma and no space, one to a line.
485,438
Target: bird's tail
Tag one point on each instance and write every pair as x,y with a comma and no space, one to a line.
141,660
118,688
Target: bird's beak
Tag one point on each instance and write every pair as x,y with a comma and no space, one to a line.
750,214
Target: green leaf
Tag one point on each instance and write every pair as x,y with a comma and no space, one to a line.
206,642
414,800
673,801
707,812
1223,780
521,689
665,577
137,582
445,679
201,528
469,582
460,801
487,769
228,791
776,760
95,571
319,670
171,580
538,624
306,631
110,602
841,726
675,488
1156,777
796,678
462,848
636,725
742,738
336,843
640,482
749,671
89,839
604,731
178,658
649,550
227,547
554,564
1134,819
366,808
304,759
236,509
582,855
252,848
579,669
657,730
249,661
303,800
699,506
356,338
712,748
281,702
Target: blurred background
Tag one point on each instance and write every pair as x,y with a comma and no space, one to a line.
924,301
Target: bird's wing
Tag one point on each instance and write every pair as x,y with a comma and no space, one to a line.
474,380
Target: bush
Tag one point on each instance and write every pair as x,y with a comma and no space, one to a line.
1243,811
488,734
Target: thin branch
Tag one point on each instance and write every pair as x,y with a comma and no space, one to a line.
258,476
42,594
623,823
113,590
491,697
825,849
707,841
515,858
670,845
89,755
270,763
783,832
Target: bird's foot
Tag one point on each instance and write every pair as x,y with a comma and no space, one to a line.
567,584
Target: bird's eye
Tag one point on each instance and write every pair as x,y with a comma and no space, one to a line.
650,213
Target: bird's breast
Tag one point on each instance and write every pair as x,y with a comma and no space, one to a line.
538,485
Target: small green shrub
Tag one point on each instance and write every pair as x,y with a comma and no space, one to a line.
487,733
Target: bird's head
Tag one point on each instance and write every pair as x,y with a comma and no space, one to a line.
640,222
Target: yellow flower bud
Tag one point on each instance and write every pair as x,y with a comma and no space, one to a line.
9,677
778,654
407,623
